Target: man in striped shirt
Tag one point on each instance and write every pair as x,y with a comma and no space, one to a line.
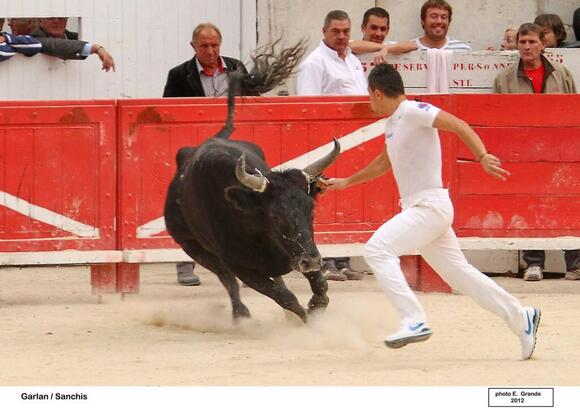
435,19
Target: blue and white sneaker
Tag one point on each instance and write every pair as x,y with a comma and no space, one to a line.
528,337
408,334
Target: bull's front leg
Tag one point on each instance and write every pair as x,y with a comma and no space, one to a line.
277,291
319,286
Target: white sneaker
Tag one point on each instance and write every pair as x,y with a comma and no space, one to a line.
528,337
407,334
533,273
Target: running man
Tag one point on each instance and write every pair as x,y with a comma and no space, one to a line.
413,151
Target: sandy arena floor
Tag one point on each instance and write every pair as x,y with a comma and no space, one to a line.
53,332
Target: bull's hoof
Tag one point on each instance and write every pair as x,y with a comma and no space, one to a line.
241,312
318,303
294,319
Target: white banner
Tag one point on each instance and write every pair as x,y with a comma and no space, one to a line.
471,72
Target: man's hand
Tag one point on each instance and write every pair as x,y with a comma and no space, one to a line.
2,38
492,165
381,57
105,57
332,184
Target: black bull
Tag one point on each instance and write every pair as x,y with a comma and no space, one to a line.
235,216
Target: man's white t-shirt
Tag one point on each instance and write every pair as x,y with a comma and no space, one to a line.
323,72
414,148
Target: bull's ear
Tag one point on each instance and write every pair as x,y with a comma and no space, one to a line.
244,199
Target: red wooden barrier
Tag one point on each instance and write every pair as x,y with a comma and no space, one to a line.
62,188
538,138
58,183
286,128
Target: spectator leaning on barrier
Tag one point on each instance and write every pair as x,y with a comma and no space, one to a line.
205,75
534,74
435,20
70,49
413,152
332,69
375,29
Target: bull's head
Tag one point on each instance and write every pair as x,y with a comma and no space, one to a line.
285,202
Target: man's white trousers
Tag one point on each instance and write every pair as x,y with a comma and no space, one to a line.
424,225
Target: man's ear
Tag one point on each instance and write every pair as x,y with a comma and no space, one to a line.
243,198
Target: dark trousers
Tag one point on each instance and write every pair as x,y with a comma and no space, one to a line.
538,257
338,262
185,266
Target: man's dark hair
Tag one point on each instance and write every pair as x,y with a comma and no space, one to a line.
438,4
554,23
335,15
377,12
528,28
386,79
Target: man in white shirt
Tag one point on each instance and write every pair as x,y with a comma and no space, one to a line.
413,152
332,69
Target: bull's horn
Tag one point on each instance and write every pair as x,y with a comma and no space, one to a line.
315,169
257,183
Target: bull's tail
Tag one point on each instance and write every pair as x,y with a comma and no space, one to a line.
270,69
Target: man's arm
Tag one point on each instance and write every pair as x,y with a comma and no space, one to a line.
74,50
491,164
364,47
379,166
106,58
394,49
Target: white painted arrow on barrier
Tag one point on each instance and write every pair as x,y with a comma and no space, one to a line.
46,216
347,142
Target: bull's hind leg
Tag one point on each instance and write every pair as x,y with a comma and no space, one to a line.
209,261
319,286
276,290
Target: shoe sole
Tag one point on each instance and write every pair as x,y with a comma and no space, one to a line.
399,343
189,284
537,317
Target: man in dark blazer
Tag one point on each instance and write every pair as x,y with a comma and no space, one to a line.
206,74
